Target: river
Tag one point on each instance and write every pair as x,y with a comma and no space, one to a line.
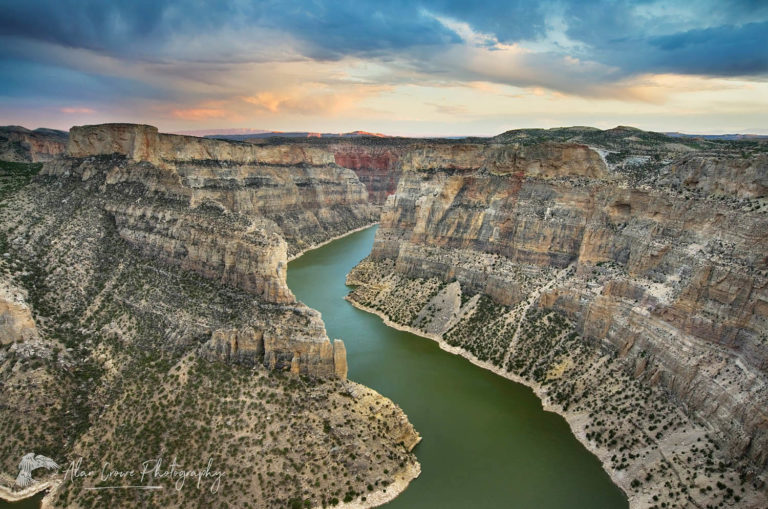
486,441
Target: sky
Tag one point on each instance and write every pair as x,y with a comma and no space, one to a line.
401,67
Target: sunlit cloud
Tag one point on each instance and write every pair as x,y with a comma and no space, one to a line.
201,114
433,66
85,111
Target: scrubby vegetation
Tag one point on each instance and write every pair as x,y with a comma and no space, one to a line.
672,459
113,374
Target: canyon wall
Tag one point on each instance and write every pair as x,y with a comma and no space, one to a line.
18,144
376,165
231,212
379,163
669,275
299,187
119,283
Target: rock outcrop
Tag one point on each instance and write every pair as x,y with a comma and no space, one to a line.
18,144
299,187
665,270
236,345
376,165
16,322
231,212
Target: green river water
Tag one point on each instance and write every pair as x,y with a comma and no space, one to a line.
486,441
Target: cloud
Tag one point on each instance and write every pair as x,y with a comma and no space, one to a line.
201,113
30,78
151,29
722,50
230,60
73,109
707,37
313,98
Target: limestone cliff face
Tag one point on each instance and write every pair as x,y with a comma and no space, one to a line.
16,322
672,277
145,143
379,163
298,187
250,256
735,176
18,144
546,160
377,166
231,212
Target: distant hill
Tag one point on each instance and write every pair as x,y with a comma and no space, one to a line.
728,137
620,137
291,134
217,132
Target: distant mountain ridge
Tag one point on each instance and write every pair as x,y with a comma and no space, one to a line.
291,134
728,137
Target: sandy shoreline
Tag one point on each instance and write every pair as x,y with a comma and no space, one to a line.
337,237
616,477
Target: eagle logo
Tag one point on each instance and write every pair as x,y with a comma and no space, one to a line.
31,462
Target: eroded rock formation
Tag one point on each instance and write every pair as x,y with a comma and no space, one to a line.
16,322
665,270
231,212
136,259
18,144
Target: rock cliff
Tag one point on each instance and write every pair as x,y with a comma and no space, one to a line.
16,322
376,165
298,187
653,265
231,212
18,144
129,264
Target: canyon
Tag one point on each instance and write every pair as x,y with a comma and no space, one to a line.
144,300
622,274
631,295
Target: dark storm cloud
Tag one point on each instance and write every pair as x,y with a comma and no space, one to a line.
721,38
331,29
724,50
613,31
90,24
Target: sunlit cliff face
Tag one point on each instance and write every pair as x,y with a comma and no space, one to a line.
425,68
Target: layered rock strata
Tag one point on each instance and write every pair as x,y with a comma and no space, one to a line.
118,288
18,144
298,187
228,211
663,279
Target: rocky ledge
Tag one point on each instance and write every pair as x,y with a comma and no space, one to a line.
231,212
144,312
635,302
